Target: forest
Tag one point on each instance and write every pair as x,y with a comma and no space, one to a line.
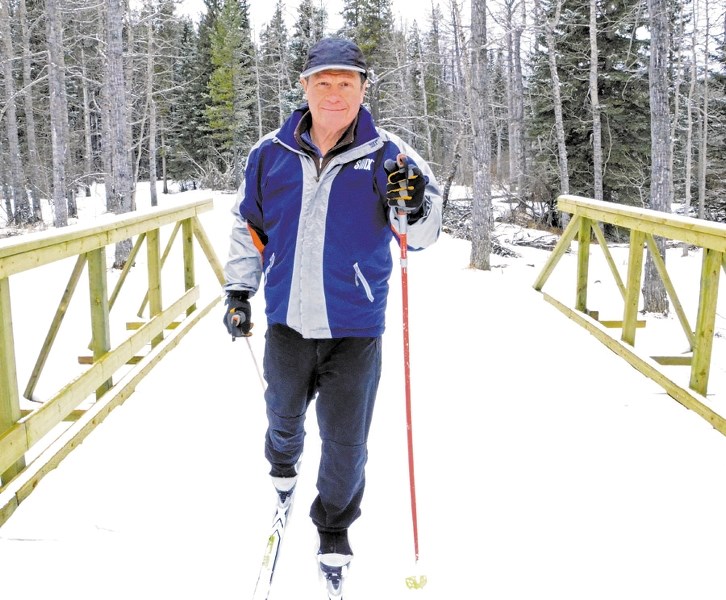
616,100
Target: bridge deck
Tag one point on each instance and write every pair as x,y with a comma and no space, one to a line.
546,467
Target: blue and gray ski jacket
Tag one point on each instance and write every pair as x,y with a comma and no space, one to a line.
323,241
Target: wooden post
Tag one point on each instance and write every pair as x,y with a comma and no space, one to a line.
188,250
153,253
9,399
632,296
706,320
100,329
583,264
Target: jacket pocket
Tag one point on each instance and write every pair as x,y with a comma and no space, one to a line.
360,280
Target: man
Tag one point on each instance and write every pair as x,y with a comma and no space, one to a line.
316,214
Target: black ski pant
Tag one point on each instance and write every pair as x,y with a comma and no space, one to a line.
342,376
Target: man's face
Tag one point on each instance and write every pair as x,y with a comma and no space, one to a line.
334,97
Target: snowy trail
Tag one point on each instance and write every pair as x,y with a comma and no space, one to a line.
546,467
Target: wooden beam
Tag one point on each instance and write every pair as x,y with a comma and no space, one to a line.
36,249
632,295
688,398
699,232
557,253
54,325
706,320
21,436
9,400
670,289
20,488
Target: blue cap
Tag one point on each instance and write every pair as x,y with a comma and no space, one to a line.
334,54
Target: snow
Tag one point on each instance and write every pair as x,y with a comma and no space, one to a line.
545,465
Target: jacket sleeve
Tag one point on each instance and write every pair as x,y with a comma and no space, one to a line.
243,269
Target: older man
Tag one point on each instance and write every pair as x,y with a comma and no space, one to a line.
316,214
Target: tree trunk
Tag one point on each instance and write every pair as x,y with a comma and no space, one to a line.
152,112
597,160
87,139
703,154
120,201
21,204
37,178
56,81
481,227
562,165
654,293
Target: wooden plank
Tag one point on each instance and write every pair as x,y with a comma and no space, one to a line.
9,400
164,256
557,253
208,250
670,289
609,260
699,232
688,398
21,487
100,322
674,361
632,295
126,269
583,263
88,360
188,255
36,249
706,320
153,253
55,410
619,324
55,324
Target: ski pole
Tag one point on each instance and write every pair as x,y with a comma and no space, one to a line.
236,320
414,582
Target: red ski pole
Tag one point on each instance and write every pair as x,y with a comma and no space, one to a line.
414,582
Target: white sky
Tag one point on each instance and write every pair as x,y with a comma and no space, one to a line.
546,466
261,11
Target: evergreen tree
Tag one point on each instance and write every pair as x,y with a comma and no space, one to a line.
623,93
275,77
187,100
309,28
232,92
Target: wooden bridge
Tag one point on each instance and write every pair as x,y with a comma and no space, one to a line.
545,463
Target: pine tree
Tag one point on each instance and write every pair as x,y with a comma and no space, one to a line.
275,77
623,96
232,92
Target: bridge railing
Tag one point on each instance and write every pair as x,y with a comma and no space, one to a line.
644,226
36,434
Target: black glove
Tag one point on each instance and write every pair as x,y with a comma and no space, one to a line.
405,188
238,314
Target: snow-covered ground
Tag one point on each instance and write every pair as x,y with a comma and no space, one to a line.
546,466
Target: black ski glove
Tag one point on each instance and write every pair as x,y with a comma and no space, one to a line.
405,188
238,314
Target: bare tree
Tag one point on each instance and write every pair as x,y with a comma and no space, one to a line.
654,294
703,154
58,111
549,30
120,200
152,108
37,175
482,221
597,157
21,213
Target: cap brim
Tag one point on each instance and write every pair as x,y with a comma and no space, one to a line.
313,70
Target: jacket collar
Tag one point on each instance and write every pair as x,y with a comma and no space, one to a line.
363,132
